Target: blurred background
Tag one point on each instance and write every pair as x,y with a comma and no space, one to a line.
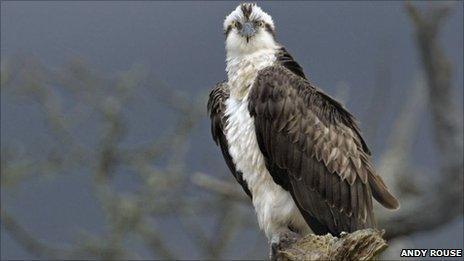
106,151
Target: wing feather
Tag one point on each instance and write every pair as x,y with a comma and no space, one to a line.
216,110
316,143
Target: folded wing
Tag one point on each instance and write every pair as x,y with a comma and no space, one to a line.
314,148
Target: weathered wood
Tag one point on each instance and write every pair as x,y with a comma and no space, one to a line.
360,245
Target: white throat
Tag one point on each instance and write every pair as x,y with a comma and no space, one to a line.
242,69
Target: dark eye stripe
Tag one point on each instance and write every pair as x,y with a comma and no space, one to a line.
269,29
229,28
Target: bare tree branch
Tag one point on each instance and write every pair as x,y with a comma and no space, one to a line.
442,200
29,242
224,188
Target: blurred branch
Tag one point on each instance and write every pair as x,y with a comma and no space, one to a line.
226,225
441,201
223,188
394,161
154,242
30,243
127,213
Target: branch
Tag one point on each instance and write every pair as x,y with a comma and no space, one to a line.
224,188
360,245
432,208
395,160
30,243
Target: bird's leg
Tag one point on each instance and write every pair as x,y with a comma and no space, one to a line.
282,239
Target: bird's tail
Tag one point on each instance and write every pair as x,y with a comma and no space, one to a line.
381,193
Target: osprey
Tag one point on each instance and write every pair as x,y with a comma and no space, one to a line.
297,153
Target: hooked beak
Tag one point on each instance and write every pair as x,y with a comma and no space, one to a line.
248,30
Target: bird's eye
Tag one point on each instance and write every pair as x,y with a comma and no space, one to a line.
237,25
259,23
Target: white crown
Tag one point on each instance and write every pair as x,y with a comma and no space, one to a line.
256,13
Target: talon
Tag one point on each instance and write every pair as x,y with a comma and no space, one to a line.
289,238
282,240
273,252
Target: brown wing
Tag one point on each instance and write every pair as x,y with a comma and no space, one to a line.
216,109
316,146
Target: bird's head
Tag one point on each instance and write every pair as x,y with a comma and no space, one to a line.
248,29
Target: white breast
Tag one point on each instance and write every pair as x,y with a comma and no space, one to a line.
274,206
242,70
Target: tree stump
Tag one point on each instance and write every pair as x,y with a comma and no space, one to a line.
360,245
